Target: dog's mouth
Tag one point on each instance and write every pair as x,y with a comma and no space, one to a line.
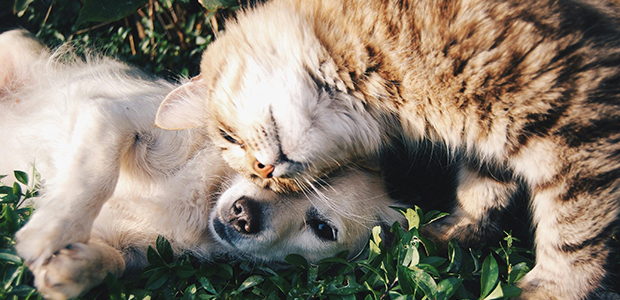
221,231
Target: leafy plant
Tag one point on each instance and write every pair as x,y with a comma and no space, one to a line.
16,279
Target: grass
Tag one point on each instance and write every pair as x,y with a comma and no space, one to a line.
410,267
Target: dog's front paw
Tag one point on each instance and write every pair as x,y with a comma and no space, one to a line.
46,233
76,269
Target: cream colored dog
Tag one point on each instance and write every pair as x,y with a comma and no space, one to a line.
113,182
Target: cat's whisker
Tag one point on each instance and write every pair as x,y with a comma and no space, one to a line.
332,203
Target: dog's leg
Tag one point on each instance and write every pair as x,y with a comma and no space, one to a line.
76,269
87,177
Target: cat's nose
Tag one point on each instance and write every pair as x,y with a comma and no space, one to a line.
265,171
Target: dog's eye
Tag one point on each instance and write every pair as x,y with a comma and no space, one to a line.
227,136
323,230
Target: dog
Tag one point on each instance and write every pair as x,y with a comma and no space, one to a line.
112,182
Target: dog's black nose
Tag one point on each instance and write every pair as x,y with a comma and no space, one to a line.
245,216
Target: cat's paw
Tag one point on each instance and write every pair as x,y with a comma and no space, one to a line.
531,291
539,284
46,233
72,271
465,231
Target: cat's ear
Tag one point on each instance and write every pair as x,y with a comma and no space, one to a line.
183,108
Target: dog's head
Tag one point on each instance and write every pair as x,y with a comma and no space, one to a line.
335,215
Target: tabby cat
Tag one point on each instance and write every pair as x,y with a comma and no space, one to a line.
517,91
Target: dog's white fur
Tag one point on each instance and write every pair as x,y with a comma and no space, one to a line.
112,182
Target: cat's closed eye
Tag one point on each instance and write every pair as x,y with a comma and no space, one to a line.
230,138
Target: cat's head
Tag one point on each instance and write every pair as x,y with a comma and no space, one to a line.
270,98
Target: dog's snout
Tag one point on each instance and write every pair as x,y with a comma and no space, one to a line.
245,216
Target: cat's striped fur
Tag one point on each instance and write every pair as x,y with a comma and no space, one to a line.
517,90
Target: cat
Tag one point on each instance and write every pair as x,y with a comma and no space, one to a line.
112,182
515,91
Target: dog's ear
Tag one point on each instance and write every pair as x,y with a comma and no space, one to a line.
19,51
183,107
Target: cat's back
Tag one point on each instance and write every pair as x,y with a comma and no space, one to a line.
479,70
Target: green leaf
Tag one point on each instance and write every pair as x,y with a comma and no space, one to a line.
184,271
212,5
22,291
226,271
20,7
429,246
455,257
206,284
413,218
425,282
447,287
154,258
107,11
433,216
429,269
6,190
190,292
281,283
397,296
376,234
8,255
351,288
518,271
17,189
511,291
336,260
250,282
115,287
375,243
16,274
490,276
497,293
10,198
165,249
434,261
405,278
412,257
475,260
297,261
379,275
21,177
158,279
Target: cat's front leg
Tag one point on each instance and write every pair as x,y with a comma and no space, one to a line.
573,230
480,200
76,269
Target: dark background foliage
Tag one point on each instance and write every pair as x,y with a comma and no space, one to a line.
164,37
